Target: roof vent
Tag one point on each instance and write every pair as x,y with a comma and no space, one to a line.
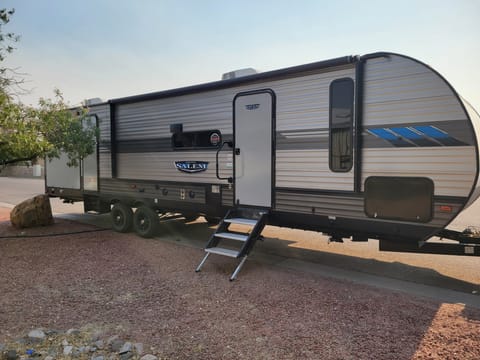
238,73
93,101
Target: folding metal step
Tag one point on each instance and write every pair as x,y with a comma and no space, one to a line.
242,221
222,251
232,236
255,218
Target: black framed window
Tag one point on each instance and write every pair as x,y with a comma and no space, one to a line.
196,140
341,125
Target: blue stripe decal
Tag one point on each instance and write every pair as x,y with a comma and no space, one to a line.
406,133
384,134
420,135
432,132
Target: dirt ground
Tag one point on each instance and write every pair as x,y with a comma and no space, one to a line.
146,289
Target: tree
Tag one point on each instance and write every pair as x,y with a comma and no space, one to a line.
52,127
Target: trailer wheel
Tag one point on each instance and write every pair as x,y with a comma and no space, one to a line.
122,217
190,217
145,221
212,220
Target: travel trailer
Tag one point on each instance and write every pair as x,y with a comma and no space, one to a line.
378,146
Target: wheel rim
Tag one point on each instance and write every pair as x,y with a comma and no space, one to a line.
119,219
144,223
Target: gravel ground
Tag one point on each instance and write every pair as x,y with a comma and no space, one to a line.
146,290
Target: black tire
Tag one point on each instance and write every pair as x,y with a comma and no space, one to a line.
190,217
122,217
212,220
145,221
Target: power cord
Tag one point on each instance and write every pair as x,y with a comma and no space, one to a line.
56,234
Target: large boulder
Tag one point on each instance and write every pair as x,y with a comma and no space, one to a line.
32,212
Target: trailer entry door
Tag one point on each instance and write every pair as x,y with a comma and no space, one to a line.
253,127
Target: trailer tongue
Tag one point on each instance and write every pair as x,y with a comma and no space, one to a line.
462,244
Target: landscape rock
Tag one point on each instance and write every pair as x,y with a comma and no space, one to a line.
126,355
126,347
67,350
50,332
116,345
148,357
111,339
66,345
36,335
21,341
11,355
76,353
138,348
73,332
32,212
97,334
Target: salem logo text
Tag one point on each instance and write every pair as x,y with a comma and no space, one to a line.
191,166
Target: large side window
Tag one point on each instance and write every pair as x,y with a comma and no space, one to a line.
341,125
196,140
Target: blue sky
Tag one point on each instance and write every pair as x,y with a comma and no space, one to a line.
110,49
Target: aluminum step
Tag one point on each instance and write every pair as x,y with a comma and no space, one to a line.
241,221
232,236
222,251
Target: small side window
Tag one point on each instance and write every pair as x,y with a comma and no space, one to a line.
341,125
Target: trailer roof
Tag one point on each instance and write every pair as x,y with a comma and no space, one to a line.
221,84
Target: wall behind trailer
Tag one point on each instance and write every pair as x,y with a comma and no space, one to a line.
415,126
302,120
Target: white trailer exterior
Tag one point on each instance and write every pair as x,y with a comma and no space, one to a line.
376,146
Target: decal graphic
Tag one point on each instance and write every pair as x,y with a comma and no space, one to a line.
252,106
426,135
191,166
214,138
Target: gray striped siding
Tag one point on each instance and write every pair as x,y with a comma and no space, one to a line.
160,166
399,90
302,103
227,196
450,168
124,188
346,207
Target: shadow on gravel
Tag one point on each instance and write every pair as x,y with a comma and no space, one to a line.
471,314
197,234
